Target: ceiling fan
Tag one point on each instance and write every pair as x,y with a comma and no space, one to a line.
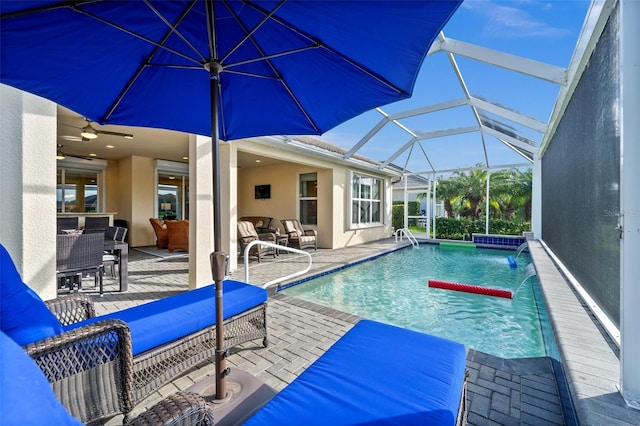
88,132
61,155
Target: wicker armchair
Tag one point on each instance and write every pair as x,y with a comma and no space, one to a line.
29,398
298,236
160,229
127,354
247,233
178,235
261,223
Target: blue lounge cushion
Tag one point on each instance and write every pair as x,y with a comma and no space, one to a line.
23,314
26,397
376,374
156,323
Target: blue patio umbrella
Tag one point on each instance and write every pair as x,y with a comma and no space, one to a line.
226,69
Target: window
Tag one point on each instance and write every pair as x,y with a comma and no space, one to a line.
172,190
308,197
366,200
77,191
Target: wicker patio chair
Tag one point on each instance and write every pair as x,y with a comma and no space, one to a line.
160,229
95,224
263,224
247,233
177,235
28,397
161,348
109,258
77,255
65,223
298,236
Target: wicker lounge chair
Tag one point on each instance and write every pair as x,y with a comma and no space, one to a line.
160,229
163,339
298,236
177,235
27,397
373,375
247,233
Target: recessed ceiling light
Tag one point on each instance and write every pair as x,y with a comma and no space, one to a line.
258,161
110,146
185,158
93,154
172,177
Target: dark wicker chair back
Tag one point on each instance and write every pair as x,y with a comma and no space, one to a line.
95,224
79,254
66,223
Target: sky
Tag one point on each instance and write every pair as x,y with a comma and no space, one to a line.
546,31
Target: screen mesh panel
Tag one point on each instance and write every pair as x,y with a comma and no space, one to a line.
581,175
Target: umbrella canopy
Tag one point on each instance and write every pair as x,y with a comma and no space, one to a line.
227,69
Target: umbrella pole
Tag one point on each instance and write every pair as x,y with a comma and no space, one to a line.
218,258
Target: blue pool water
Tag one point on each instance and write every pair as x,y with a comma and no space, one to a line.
393,289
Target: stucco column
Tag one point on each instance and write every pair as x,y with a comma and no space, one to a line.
28,209
229,201
200,211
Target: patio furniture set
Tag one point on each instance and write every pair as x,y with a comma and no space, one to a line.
252,228
99,367
88,251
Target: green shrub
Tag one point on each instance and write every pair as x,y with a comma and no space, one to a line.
458,229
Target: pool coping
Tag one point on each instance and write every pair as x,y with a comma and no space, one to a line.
589,357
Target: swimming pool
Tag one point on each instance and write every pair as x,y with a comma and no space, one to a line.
393,289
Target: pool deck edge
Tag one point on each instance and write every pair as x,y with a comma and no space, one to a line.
589,357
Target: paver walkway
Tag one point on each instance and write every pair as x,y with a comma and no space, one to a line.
501,391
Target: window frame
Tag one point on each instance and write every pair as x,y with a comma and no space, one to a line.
303,198
369,198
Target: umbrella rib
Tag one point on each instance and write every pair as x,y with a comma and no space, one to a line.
136,35
174,27
248,34
249,74
147,63
275,55
267,58
332,51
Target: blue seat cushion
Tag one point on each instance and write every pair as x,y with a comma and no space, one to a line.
23,314
376,374
26,397
162,321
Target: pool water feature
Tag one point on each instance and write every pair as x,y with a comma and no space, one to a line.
394,289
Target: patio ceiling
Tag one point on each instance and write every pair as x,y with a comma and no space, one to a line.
472,105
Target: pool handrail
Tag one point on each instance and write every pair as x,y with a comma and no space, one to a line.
276,247
409,235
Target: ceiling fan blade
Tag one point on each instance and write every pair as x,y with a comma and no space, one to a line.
107,132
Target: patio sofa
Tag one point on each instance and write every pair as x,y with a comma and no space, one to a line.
376,374
151,344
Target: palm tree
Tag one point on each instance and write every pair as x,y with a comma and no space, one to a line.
448,190
510,193
473,189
